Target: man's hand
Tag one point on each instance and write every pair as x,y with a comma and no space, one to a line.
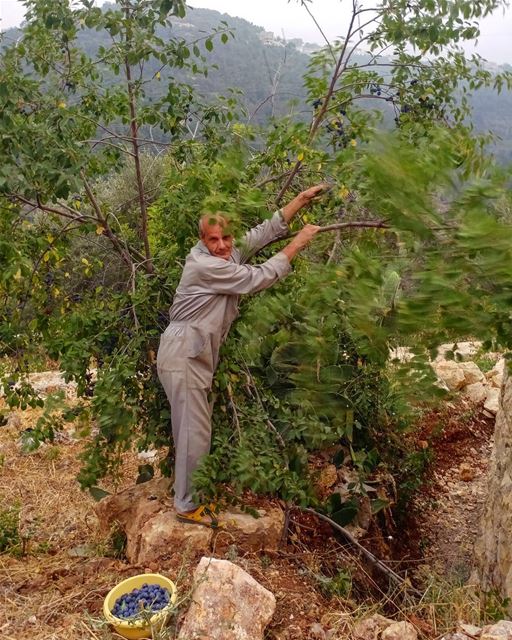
313,192
306,234
303,199
301,240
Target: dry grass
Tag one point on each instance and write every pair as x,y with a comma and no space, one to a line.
50,594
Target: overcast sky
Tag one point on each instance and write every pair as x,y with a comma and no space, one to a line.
289,19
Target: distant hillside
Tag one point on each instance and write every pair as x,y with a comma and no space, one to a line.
269,72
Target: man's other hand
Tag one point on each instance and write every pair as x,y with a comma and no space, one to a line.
306,234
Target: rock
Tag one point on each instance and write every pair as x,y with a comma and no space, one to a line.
146,515
476,392
502,630
466,472
371,628
227,604
134,505
470,629
252,534
492,401
401,354
493,549
317,631
450,373
162,535
86,550
495,375
400,631
471,372
13,420
148,456
327,478
46,382
456,636
462,350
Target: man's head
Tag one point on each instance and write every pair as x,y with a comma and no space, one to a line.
216,235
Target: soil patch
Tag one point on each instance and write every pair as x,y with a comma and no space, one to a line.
444,517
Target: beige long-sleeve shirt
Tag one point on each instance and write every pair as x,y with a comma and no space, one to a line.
206,300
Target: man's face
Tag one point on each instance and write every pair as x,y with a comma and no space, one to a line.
217,240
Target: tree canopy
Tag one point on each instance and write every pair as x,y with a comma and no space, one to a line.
100,192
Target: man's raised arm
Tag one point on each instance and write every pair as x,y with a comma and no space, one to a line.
277,226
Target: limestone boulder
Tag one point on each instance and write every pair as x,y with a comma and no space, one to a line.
462,350
251,534
491,403
495,375
400,631
133,506
371,628
469,629
146,515
502,630
476,392
451,373
472,373
227,604
161,535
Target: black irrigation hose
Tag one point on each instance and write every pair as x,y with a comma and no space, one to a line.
367,554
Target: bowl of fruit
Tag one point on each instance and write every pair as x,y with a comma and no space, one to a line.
139,605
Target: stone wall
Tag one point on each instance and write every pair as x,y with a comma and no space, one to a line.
494,547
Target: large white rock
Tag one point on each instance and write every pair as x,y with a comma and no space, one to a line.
502,630
492,400
146,515
227,604
400,631
463,350
472,372
476,392
495,375
451,373
371,628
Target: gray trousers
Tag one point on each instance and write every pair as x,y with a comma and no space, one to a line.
186,377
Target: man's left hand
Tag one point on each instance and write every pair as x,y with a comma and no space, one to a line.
313,192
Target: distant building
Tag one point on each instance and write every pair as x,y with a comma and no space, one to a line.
268,39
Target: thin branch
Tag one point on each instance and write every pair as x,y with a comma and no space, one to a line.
321,31
232,404
43,207
271,179
106,227
321,112
335,246
133,310
110,144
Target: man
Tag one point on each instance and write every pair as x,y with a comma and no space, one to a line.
204,307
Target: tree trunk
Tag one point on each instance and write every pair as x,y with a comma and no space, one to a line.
494,547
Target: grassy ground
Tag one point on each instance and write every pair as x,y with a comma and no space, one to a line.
56,568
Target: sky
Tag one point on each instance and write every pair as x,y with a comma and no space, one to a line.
289,19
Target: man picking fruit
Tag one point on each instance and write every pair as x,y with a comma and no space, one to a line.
216,273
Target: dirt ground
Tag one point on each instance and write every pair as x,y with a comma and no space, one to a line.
445,515
54,589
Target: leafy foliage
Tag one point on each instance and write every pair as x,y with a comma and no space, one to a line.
94,231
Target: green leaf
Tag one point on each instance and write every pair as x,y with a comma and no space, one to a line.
146,473
208,44
98,494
